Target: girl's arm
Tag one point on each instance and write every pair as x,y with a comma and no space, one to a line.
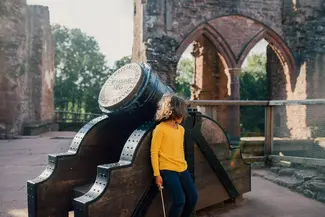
156,142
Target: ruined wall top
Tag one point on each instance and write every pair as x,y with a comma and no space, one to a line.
178,18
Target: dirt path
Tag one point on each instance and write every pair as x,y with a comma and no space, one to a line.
24,159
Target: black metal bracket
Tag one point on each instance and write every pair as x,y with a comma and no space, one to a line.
189,153
190,127
212,158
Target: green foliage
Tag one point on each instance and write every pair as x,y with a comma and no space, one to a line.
120,63
80,70
185,70
253,86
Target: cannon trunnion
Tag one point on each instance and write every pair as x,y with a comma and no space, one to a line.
107,169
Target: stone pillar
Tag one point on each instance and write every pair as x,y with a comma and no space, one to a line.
13,70
212,82
27,67
234,94
205,70
234,90
315,116
41,66
277,90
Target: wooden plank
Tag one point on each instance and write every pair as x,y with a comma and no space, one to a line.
269,130
124,186
253,159
226,102
93,145
298,160
255,103
257,147
297,102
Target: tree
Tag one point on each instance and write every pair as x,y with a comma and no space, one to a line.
122,62
253,86
185,70
80,70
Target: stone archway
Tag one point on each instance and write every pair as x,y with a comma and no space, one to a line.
163,28
215,43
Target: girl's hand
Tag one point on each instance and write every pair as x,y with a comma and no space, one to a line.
159,181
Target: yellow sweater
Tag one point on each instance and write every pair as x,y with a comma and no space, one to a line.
167,149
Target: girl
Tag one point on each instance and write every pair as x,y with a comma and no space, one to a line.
168,158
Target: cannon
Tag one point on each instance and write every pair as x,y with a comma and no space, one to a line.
107,169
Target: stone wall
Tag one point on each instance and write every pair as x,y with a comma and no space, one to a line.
41,63
26,63
304,32
179,18
294,29
161,26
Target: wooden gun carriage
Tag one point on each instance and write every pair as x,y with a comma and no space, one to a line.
107,169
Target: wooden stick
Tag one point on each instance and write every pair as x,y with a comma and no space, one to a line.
162,200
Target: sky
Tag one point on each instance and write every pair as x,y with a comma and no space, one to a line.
109,21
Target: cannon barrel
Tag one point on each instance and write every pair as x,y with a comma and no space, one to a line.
107,169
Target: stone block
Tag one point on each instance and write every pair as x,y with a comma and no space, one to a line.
286,172
275,170
321,196
309,193
305,174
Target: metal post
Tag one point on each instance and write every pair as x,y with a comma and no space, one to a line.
269,130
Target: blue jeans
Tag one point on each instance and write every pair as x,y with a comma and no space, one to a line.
182,188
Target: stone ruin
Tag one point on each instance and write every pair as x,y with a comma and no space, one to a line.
26,67
223,32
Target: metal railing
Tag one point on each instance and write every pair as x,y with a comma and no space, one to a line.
74,117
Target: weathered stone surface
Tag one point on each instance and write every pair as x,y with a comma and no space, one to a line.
308,182
275,170
162,58
305,174
321,196
41,63
27,66
309,193
286,172
315,185
296,54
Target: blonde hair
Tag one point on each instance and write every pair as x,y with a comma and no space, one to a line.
171,107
